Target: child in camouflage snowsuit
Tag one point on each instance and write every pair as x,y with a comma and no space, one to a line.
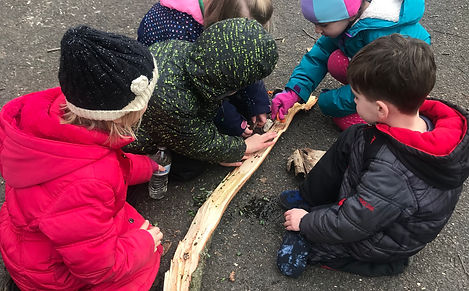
194,79
185,20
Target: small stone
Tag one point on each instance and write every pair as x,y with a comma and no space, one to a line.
268,124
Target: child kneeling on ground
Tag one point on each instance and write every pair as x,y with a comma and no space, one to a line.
185,20
65,223
194,79
346,26
383,190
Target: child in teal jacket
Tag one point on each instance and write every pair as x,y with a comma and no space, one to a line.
346,26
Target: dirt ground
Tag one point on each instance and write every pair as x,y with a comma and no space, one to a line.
250,232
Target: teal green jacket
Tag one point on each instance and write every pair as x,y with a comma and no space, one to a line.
313,66
193,79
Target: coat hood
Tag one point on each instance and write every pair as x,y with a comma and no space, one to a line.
445,164
230,55
191,7
37,148
411,11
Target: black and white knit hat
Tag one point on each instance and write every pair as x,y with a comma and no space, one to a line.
103,75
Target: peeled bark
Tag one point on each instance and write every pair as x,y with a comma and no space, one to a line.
303,160
187,255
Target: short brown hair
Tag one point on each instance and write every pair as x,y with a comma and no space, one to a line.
394,68
260,10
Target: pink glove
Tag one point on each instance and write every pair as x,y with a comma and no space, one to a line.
282,102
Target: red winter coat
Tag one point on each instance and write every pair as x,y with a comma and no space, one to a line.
65,224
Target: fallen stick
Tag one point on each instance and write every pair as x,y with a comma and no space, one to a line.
187,255
308,34
462,263
53,50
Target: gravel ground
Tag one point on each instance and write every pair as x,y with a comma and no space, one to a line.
250,232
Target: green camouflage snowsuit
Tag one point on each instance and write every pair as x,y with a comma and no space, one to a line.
193,77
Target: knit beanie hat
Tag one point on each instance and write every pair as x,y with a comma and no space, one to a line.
103,75
322,11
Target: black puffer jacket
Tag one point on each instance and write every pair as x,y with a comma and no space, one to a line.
391,204
193,77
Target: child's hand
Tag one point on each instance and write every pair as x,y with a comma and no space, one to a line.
293,218
258,142
235,164
155,232
247,132
259,120
155,167
282,102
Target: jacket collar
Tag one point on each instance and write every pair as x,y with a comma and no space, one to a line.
450,126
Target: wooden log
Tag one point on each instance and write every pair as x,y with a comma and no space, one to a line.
303,160
187,255
311,157
296,160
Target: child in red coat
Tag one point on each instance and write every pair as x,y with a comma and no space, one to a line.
65,223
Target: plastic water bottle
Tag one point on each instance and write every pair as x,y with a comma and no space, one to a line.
158,185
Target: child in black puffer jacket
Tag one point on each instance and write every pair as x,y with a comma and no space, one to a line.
384,190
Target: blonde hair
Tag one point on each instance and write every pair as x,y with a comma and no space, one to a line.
260,10
124,127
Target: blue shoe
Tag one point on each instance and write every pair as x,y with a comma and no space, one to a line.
292,257
290,199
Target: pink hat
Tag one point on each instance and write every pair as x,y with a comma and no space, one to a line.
322,11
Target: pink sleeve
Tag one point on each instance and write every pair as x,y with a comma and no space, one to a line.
84,228
141,169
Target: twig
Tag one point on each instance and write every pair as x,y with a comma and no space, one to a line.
448,33
281,39
53,50
461,70
308,34
278,216
463,266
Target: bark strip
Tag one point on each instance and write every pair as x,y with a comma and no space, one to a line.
187,255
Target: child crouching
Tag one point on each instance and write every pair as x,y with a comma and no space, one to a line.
384,190
65,223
